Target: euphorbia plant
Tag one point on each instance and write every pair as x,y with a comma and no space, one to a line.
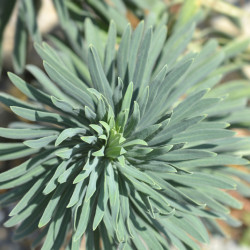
131,153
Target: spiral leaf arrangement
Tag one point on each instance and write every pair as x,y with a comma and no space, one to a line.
130,153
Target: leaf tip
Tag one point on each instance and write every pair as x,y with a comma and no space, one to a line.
41,224
10,74
12,213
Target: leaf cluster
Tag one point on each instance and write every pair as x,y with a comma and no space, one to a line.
126,141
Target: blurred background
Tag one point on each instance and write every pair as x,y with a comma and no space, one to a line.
22,23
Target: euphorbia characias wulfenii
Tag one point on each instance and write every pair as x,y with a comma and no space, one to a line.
130,153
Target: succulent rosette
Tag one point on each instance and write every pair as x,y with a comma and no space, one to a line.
130,152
